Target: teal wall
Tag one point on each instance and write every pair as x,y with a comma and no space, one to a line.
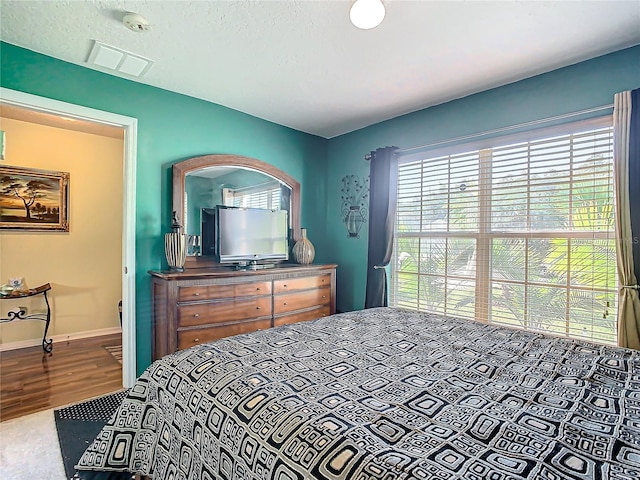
171,127
575,88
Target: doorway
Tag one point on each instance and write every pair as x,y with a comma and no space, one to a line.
129,125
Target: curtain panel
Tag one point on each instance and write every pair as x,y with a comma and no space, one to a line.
383,186
626,124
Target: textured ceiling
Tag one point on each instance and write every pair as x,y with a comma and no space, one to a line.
303,65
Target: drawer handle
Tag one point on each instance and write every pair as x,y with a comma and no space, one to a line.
196,340
196,315
197,294
257,308
258,289
324,296
323,280
285,303
285,285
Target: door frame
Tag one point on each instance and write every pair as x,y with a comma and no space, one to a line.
130,127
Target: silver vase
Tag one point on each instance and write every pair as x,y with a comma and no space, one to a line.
303,250
175,249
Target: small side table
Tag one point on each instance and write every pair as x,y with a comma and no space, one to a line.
47,345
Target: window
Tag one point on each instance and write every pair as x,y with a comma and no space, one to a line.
260,196
519,231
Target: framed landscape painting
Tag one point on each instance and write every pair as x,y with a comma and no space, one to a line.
31,199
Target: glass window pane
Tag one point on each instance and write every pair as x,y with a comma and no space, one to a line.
432,295
547,260
433,255
508,304
590,318
461,257
407,254
461,295
593,203
593,263
406,294
434,204
549,205
463,192
508,259
509,186
409,197
546,309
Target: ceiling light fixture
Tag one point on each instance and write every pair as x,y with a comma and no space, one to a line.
367,14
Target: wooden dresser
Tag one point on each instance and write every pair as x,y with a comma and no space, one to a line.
202,305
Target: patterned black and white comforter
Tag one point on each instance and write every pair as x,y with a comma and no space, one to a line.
381,394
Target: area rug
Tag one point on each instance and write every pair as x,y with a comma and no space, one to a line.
78,425
29,448
115,351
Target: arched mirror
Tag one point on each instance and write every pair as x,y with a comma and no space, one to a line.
201,183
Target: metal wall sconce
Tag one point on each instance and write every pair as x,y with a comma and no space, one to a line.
355,195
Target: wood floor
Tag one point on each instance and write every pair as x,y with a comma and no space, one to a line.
31,381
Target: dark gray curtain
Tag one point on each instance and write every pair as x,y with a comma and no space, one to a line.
285,204
383,187
285,198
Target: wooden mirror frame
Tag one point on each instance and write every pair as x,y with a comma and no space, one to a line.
181,169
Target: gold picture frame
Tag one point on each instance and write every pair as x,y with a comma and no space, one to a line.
32,199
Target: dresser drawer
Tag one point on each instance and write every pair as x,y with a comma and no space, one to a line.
324,311
209,292
189,338
300,300
223,311
303,283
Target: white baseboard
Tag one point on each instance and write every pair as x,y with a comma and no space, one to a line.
66,337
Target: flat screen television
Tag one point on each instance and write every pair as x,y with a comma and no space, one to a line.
248,236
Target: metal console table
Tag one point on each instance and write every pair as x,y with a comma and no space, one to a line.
20,314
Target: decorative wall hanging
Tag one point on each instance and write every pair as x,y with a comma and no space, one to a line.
31,199
355,195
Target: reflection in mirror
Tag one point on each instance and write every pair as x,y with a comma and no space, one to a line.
201,183
232,186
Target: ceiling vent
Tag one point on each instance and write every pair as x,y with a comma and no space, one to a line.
113,59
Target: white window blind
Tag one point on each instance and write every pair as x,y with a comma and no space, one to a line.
518,233
264,196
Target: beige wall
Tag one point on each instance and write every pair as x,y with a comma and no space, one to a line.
83,265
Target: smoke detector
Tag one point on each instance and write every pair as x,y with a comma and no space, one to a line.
136,22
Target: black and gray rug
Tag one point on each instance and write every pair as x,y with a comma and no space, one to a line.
78,425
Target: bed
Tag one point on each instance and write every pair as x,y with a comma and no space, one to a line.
382,393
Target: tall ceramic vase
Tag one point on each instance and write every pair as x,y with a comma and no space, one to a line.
303,250
175,246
